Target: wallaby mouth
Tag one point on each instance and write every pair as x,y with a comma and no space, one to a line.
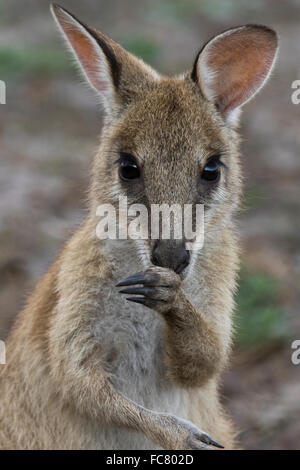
170,254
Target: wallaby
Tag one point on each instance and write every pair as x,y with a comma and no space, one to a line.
89,369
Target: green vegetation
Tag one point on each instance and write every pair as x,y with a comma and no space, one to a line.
254,197
259,318
224,9
18,60
215,9
175,9
143,47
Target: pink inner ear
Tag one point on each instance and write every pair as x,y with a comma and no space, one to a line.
240,62
87,55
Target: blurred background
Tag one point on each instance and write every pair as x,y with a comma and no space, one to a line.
49,132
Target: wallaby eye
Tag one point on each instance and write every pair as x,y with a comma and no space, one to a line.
128,169
211,171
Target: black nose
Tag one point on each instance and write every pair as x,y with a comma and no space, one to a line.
169,254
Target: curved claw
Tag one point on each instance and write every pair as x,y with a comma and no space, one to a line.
208,440
138,300
137,278
137,290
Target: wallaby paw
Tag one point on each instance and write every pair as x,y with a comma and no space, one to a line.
187,436
156,288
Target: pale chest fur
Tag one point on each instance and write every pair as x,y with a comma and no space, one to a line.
132,346
132,337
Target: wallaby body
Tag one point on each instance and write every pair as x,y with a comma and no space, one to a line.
129,344
87,369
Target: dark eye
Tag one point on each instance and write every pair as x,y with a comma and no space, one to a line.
211,171
128,169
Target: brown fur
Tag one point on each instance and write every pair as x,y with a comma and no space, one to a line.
79,359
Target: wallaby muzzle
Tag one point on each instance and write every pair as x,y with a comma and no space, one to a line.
170,254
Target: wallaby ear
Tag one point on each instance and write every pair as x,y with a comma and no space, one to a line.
113,72
232,67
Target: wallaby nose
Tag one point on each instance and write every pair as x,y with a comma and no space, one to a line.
170,255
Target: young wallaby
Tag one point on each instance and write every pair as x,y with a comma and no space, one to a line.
88,368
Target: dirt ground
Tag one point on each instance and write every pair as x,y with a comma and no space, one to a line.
48,134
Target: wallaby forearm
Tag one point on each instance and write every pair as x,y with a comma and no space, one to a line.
193,348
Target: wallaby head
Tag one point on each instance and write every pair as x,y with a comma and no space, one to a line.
171,140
